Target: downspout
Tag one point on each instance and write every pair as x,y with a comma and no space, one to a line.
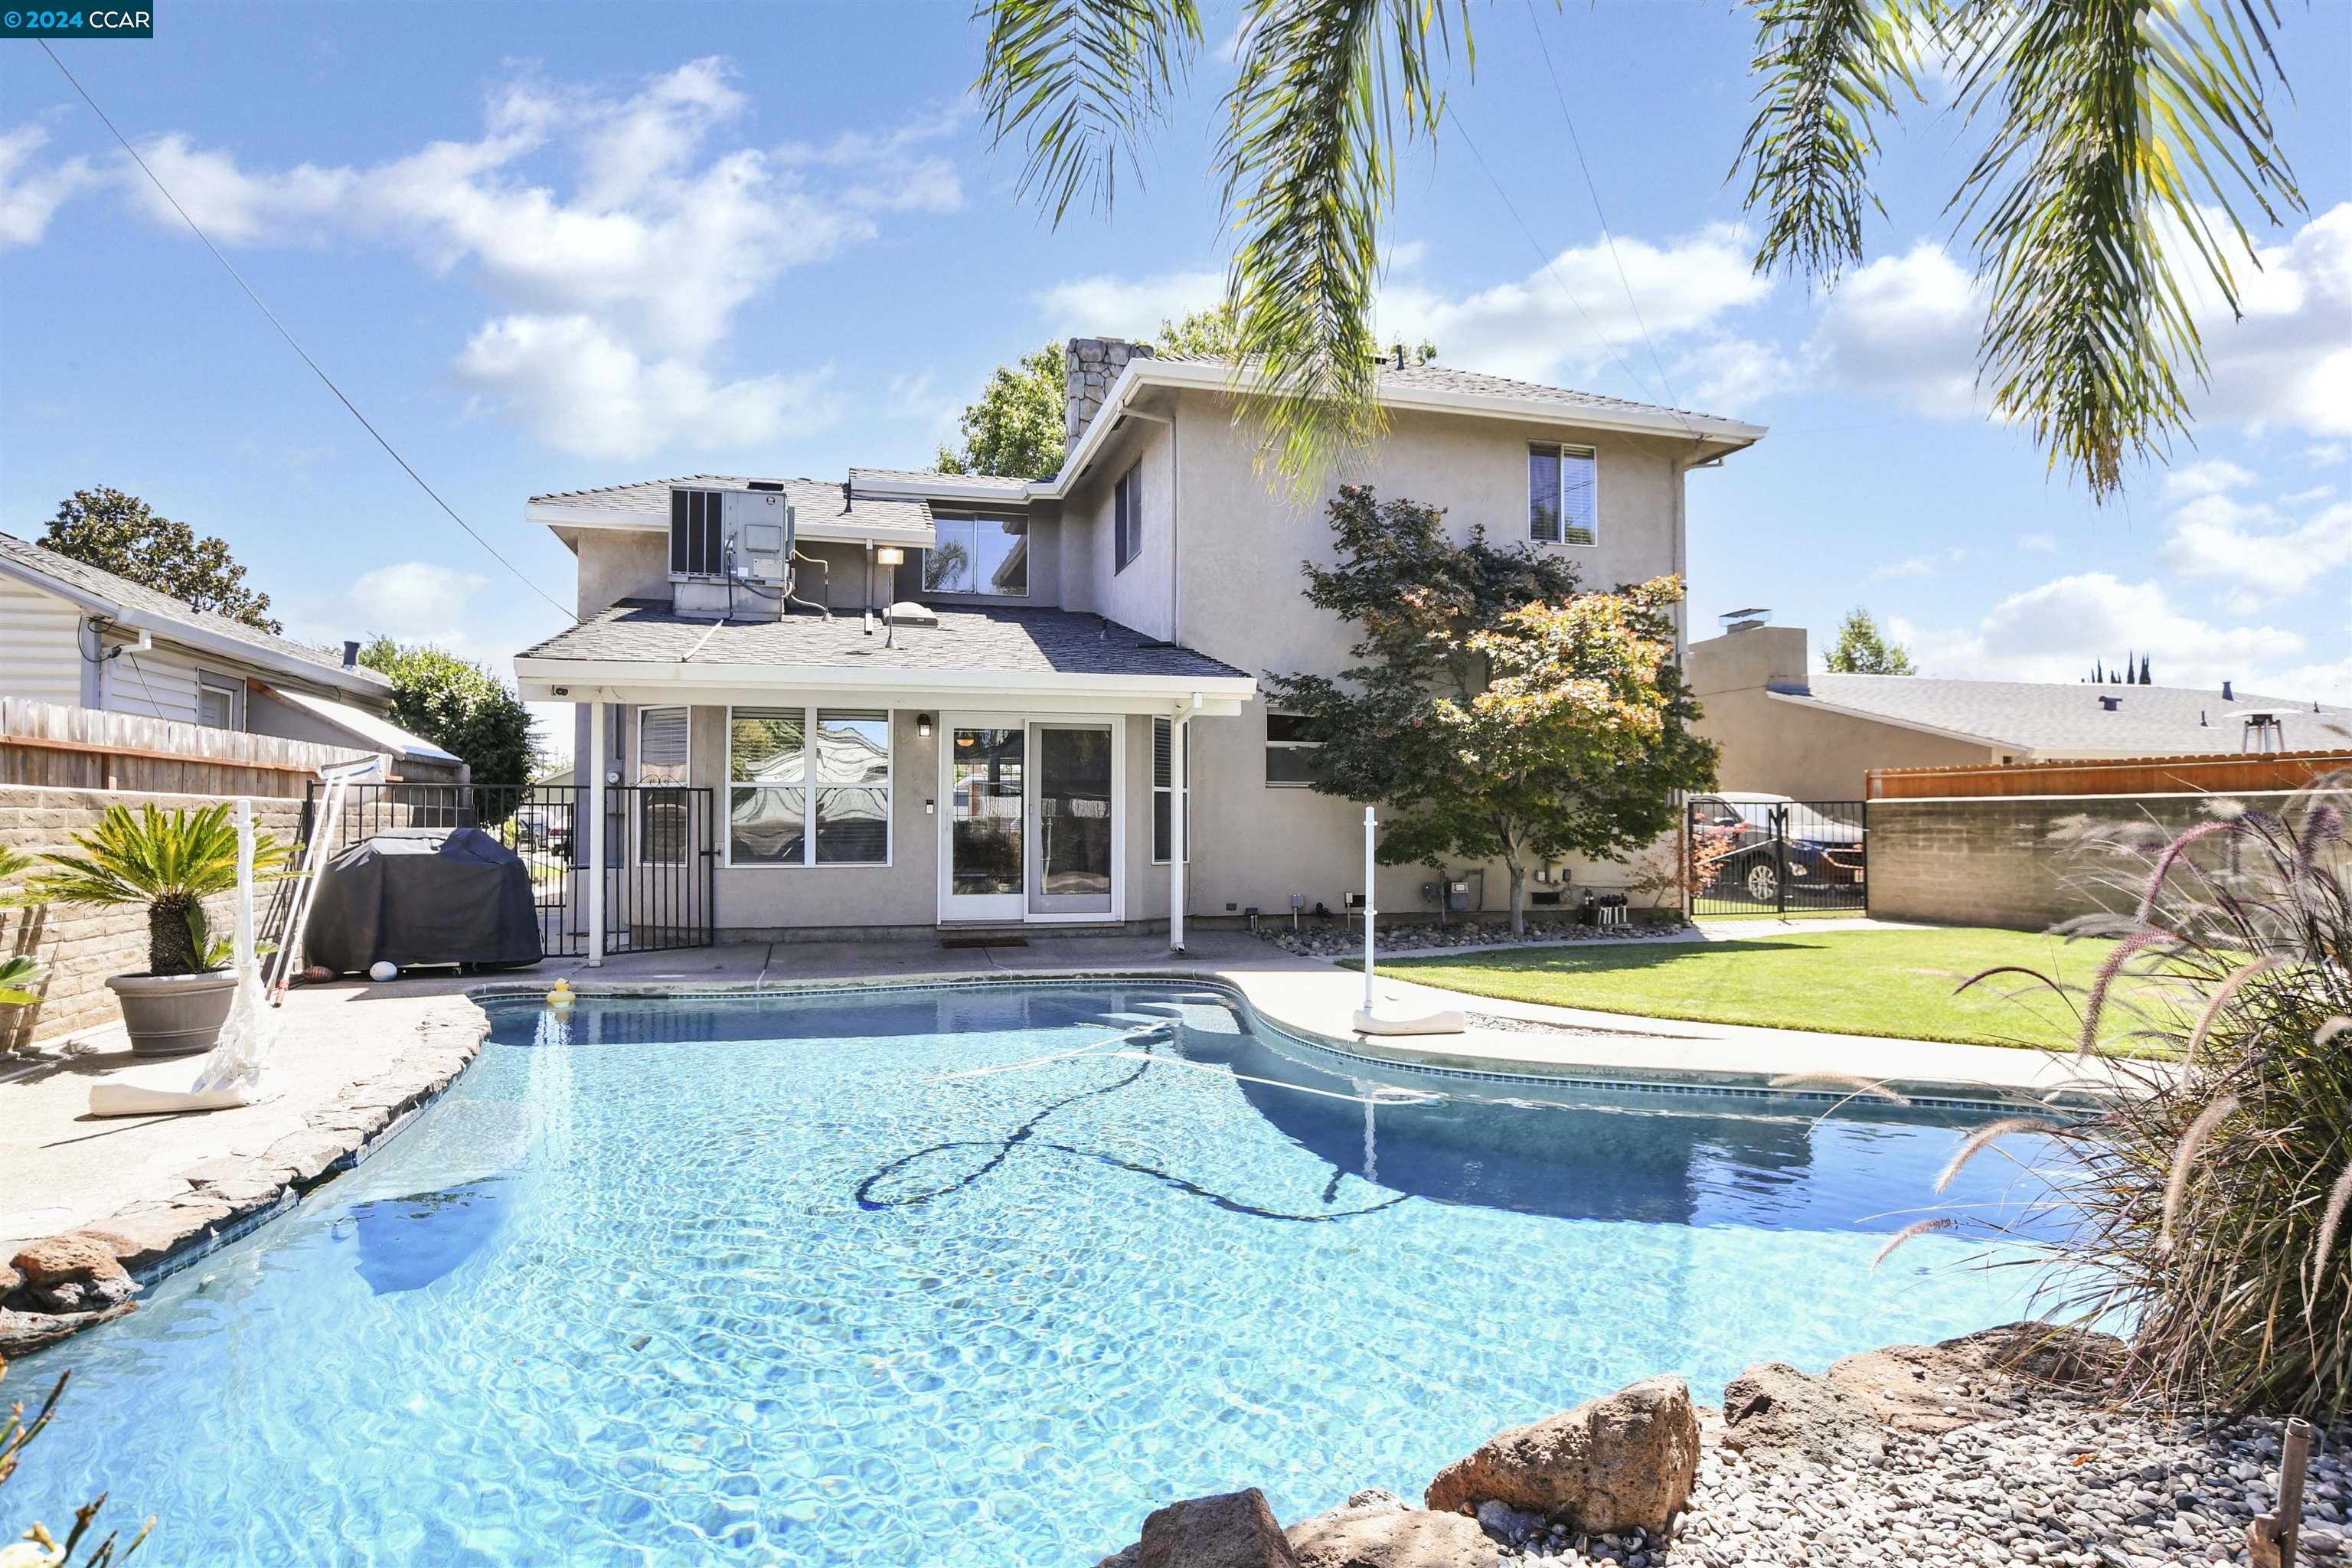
1180,800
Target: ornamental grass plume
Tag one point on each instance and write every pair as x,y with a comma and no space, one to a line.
2202,1211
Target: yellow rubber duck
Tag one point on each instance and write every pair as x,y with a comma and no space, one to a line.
559,995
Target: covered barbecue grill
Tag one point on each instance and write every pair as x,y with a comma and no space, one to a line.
424,894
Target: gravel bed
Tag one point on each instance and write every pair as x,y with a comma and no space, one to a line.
1333,941
2065,1483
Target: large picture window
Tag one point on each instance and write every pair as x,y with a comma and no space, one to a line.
808,786
979,555
1563,494
1164,812
1127,517
1294,749
663,735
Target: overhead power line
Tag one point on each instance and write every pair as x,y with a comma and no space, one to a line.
272,316
1607,234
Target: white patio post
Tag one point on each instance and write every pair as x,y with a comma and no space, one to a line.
595,832
1371,829
1178,846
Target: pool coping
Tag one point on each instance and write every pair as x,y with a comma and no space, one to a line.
1389,1052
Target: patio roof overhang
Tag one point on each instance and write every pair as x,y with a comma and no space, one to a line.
673,681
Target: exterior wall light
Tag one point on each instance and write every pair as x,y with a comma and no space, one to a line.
889,556
923,725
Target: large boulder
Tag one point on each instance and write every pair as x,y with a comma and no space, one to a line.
1387,1534
72,1273
1774,1414
1978,1376
1625,1461
1230,1530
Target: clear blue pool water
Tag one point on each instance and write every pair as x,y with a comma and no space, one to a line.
759,1283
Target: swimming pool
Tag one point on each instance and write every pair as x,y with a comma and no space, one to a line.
893,1279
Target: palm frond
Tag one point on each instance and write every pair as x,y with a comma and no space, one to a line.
1080,82
1309,165
1826,68
2123,128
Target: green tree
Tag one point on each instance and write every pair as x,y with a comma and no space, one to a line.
2109,139
460,707
1014,426
1863,649
1494,712
119,533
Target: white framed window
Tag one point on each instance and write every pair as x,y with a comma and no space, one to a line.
1126,516
1163,805
978,555
220,701
1563,494
665,746
808,786
1293,747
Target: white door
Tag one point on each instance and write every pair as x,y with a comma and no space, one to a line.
984,768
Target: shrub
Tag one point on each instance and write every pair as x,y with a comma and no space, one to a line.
2207,1207
170,861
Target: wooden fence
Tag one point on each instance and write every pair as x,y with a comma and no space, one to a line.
87,748
2210,774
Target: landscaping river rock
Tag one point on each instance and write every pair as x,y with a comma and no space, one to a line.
1994,1449
1327,939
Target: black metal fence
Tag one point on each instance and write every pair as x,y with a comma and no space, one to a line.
1779,857
661,852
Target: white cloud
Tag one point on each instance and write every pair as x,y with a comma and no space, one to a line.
2040,543
613,299
581,389
30,195
2325,453
2321,682
410,602
1107,305
2210,477
1904,327
2303,498
2053,632
1731,375
1922,565
2254,551
1907,326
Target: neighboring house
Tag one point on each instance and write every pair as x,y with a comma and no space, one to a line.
79,637
1785,731
1008,743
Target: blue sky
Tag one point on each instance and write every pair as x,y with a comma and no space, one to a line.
546,248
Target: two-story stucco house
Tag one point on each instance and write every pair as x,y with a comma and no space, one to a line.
1014,741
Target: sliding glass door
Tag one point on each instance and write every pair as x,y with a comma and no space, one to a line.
1029,825
1070,801
986,766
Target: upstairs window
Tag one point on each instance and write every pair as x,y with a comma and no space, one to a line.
1563,494
978,555
1294,750
693,533
1127,517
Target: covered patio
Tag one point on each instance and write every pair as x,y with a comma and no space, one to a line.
962,769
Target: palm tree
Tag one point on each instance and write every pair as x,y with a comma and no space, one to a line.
171,862
2113,126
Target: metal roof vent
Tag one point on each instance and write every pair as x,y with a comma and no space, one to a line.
2111,704
1744,620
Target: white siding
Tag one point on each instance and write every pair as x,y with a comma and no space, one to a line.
38,659
160,683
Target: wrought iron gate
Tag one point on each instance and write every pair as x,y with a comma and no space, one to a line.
1777,856
661,852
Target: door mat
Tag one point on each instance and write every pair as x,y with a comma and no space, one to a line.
985,939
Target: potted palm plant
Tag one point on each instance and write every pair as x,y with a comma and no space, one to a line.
170,861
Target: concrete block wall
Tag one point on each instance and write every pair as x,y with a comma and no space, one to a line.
1992,861
83,946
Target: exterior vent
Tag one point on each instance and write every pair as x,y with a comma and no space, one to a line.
776,485
2111,704
1744,620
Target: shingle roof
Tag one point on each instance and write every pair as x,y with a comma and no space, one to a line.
2051,719
982,640
816,500
1447,378
267,646
921,479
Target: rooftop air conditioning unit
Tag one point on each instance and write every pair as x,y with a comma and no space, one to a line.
758,529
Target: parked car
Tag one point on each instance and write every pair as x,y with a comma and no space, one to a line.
1768,832
543,830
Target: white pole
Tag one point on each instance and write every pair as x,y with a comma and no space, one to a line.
244,946
596,833
1178,846
1371,829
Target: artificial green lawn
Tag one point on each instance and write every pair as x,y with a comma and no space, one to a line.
1892,982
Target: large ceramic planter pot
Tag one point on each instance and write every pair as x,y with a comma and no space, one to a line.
174,1015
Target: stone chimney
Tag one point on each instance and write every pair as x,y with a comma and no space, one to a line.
1089,365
